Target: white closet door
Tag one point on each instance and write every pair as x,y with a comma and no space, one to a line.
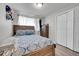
61,29
76,30
70,29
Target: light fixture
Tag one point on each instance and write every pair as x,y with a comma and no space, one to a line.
38,5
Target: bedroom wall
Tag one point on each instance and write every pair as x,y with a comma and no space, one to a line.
16,16
5,26
52,27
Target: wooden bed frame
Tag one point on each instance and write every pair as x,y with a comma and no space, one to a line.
46,51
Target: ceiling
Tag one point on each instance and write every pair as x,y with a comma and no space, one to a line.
28,9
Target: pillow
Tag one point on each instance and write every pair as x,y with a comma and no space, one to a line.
20,33
24,32
29,32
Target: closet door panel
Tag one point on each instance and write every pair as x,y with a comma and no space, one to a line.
61,29
76,30
70,29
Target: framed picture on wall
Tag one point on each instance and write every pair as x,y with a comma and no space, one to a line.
8,13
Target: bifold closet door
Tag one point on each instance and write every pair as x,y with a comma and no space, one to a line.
61,29
70,29
76,30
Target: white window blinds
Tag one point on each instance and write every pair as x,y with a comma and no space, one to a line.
29,22
26,21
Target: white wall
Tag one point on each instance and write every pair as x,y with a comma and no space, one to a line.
51,21
5,26
16,17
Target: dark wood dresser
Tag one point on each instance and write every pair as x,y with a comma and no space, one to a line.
45,31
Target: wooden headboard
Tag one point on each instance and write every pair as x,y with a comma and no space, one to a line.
21,27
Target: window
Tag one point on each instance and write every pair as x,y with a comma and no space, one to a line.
29,22
26,21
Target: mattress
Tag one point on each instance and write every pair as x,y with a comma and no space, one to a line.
25,44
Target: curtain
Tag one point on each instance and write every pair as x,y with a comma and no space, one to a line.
29,22
26,21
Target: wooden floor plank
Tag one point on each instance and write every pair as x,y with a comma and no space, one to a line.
63,51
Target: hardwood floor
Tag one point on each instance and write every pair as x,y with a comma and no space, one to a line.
63,51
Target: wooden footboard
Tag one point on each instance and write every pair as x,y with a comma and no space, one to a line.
47,51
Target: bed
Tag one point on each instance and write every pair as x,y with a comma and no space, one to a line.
31,45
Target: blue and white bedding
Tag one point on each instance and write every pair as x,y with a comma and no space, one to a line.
25,44
24,32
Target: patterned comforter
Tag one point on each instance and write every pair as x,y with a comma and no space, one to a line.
25,44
